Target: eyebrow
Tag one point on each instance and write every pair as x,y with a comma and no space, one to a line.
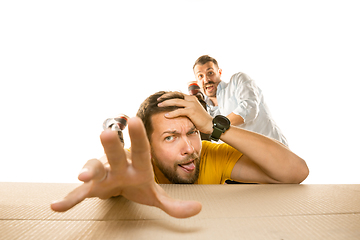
171,132
192,129
175,132
206,70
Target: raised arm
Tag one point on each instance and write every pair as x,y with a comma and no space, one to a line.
235,119
264,160
132,178
247,96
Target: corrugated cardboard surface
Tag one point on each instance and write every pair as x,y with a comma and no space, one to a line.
229,212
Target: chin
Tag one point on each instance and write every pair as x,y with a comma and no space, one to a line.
185,181
211,94
189,179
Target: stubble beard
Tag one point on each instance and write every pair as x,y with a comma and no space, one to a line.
211,95
171,173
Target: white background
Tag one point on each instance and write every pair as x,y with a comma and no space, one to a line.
65,66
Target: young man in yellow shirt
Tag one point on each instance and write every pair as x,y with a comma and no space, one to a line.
166,148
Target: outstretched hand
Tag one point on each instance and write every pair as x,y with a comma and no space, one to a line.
132,178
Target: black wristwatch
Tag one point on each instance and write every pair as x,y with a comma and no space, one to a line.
220,125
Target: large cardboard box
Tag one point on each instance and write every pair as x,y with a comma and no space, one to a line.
229,212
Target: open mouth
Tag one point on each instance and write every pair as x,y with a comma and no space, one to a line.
188,167
209,87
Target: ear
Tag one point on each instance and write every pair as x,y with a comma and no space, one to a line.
220,71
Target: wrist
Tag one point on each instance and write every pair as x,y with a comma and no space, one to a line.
209,128
220,125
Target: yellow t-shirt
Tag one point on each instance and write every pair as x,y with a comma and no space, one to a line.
217,162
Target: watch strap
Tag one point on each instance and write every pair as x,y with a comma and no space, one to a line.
215,135
220,125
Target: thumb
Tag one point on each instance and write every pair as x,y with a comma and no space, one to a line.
180,208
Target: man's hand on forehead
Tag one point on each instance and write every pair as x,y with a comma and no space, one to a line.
189,107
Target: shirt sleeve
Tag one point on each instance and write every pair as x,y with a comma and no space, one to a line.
230,157
218,161
247,96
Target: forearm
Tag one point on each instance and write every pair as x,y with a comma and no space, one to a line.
235,119
272,157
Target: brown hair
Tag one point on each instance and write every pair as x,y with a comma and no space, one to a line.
204,59
150,107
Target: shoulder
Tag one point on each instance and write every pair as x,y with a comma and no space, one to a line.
222,148
239,77
207,145
208,149
220,158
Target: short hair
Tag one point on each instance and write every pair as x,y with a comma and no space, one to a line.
205,59
150,107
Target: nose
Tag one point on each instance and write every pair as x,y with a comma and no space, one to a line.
206,79
187,147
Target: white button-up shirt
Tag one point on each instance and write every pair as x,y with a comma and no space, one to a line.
243,97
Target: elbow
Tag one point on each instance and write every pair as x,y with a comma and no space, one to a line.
248,110
301,173
305,174
296,175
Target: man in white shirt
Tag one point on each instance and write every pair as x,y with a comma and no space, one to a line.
240,100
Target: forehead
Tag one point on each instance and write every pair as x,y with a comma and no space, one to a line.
161,124
204,68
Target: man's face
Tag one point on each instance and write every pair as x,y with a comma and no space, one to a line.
175,148
208,78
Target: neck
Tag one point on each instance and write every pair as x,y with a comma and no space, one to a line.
214,100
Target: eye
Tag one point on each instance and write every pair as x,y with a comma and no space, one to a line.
210,73
169,138
200,76
194,132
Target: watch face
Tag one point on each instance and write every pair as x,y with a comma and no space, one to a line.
222,122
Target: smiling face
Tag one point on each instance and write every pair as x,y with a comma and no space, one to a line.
208,78
175,148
